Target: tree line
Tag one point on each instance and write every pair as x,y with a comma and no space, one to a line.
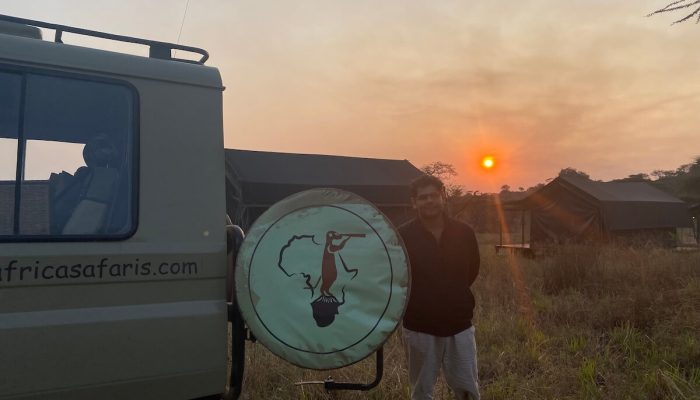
480,209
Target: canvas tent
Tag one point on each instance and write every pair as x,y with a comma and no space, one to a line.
578,209
695,210
695,214
255,180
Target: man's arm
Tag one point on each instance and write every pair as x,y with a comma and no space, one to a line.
473,258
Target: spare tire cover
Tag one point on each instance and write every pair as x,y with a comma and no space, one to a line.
322,278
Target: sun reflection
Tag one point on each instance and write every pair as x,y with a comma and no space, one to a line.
522,296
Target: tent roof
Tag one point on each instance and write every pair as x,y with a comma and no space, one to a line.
620,191
318,170
603,192
264,178
623,205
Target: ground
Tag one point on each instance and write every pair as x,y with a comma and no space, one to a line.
581,323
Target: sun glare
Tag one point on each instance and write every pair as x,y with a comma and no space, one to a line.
488,162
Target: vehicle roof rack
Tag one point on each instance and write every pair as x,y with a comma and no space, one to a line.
159,50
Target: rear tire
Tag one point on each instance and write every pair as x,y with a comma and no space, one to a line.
234,239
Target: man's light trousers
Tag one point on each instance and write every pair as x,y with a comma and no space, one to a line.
456,355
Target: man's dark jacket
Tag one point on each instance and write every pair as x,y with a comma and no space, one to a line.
441,302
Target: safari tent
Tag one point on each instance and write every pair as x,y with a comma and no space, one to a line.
574,209
695,214
255,180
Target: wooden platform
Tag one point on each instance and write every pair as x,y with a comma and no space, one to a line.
523,249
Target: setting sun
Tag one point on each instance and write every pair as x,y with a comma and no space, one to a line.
488,162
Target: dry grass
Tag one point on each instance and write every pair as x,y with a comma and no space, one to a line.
583,323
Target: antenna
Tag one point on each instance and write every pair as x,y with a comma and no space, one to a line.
187,5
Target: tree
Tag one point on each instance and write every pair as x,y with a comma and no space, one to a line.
445,172
573,172
640,177
681,5
441,170
662,174
692,181
683,182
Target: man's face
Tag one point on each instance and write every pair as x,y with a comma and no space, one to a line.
429,202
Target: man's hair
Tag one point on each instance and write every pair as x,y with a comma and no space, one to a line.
424,181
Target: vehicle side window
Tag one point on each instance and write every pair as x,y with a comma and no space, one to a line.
74,139
10,92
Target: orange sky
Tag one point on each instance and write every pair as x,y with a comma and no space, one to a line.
540,85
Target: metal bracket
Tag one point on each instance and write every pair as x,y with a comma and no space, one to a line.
330,384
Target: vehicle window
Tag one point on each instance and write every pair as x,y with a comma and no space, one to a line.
10,91
8,163
42,157
74,139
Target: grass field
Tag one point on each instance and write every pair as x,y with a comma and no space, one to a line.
582,323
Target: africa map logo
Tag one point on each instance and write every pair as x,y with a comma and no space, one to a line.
322,268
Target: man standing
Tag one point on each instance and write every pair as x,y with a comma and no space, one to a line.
438,330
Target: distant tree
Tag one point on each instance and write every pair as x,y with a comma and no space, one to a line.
683,182
692,181
693,5
446,172
661,174
439,169
454,190
507,194
641,177
478,210
568,171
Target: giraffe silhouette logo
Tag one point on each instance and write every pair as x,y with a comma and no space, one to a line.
324,307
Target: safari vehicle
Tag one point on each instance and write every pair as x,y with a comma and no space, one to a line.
112,240
115,261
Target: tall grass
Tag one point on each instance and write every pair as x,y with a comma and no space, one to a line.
582,323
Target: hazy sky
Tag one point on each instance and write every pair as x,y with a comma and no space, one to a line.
540,85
